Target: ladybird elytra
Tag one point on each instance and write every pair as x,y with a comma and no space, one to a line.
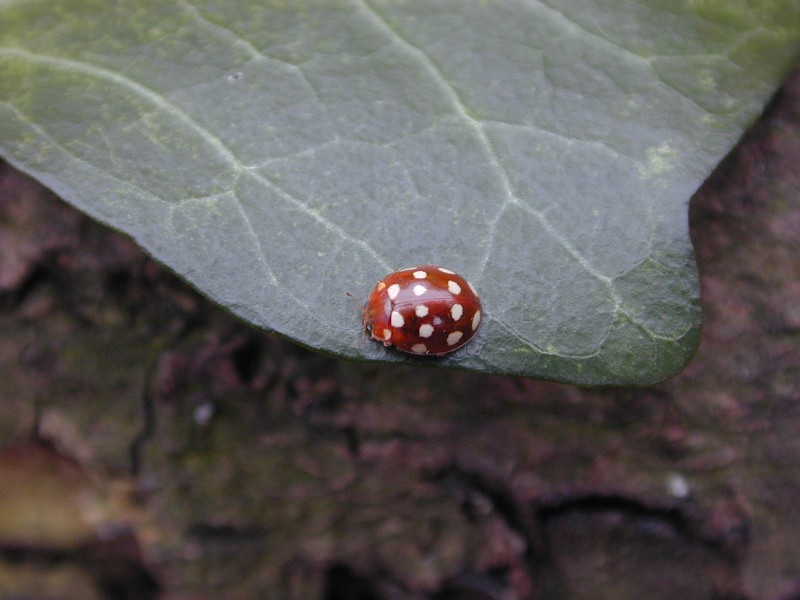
425,310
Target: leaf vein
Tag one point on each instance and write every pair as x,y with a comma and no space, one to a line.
171,206
529,344
511,198
223,150
24,119
563,18
478,127
285,195
644,59
537,129
255,54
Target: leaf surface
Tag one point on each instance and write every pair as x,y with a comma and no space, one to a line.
279,155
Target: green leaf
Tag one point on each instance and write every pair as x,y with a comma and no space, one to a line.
281,154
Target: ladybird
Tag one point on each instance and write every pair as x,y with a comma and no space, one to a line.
423,310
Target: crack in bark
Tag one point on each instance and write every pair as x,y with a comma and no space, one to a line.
530,520
148,419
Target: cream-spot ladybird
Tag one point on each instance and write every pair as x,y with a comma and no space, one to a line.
423,319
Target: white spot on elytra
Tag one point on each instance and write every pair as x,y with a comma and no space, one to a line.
393,290
472,287
387,334
448,271
456,311
419,348
419,290
425,330
476,320
453,287
453,338
421,310
399,321
420,274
